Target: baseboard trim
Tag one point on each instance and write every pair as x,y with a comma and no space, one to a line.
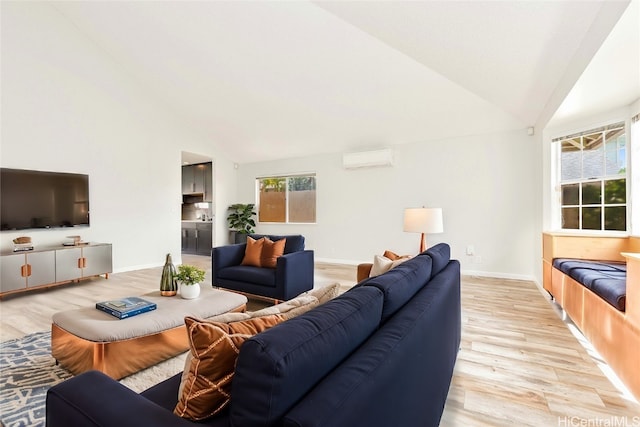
340,261
498,275
137,267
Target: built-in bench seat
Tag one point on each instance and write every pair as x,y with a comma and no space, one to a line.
596,281
607,279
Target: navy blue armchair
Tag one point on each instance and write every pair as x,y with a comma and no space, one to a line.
292,276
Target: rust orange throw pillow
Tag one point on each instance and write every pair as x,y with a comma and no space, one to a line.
253,252
214,347
271,251
391,255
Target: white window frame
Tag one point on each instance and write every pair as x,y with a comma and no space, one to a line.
557,181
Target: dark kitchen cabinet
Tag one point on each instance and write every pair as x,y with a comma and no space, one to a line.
189,237
188,179
204,240
197,238
198,179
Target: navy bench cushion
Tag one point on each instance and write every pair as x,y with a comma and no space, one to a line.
606,279
276,368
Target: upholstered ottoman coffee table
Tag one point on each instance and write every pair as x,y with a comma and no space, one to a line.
87,338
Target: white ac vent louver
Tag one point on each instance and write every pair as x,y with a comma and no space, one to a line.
368,159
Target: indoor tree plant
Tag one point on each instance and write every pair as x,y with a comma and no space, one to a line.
190,277
241,221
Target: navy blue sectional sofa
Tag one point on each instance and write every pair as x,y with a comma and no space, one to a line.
380,355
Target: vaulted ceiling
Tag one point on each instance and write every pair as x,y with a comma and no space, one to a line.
275,79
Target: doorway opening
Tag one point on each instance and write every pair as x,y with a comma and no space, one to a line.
197,208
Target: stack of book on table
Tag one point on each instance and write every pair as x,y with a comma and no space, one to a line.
126,307
21,247
21,244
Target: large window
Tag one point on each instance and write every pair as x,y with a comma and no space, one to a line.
287,199
593,179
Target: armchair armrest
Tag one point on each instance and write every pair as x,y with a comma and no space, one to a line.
294,273
226,256
93,398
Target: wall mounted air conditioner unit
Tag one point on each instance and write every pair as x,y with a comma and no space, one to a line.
367,159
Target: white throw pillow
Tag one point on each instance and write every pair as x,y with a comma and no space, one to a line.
292,307
324,293
382,265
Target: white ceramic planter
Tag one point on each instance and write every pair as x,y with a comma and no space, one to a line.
189,291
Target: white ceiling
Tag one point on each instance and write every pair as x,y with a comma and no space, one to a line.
276,79
612,78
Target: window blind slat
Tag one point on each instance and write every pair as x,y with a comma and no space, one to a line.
590,131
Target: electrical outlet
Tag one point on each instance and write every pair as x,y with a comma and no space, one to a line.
470,250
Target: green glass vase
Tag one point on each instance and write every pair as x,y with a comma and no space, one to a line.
168,282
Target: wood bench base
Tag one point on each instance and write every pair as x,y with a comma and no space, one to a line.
613,333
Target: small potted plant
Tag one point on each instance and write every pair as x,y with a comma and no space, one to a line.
189,277
241,221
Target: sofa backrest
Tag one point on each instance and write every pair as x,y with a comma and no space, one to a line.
276,368
295,242
440,256
401,283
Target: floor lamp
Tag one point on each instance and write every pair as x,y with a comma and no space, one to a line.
423,220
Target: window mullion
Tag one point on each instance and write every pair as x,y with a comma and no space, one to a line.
286,200
580,205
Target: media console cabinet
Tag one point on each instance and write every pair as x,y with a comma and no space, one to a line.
52,266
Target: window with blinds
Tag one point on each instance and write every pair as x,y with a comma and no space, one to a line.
593,179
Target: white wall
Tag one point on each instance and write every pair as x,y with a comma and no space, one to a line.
485,185
66,106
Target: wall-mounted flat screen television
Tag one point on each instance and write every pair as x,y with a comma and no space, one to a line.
38,199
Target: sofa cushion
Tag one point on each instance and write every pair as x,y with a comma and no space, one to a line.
253,252
382,264
401,284
606,279
214,347
289,309
249,274
295,242
271,251
440,256
277,368
324,293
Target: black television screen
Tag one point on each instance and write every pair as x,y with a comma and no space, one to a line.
37,199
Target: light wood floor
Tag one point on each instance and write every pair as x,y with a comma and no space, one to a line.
519,364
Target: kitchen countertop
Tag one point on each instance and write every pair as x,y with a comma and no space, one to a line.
197,220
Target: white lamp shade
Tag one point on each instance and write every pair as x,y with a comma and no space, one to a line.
423,220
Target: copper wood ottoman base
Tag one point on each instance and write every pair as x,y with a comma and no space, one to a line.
120,357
